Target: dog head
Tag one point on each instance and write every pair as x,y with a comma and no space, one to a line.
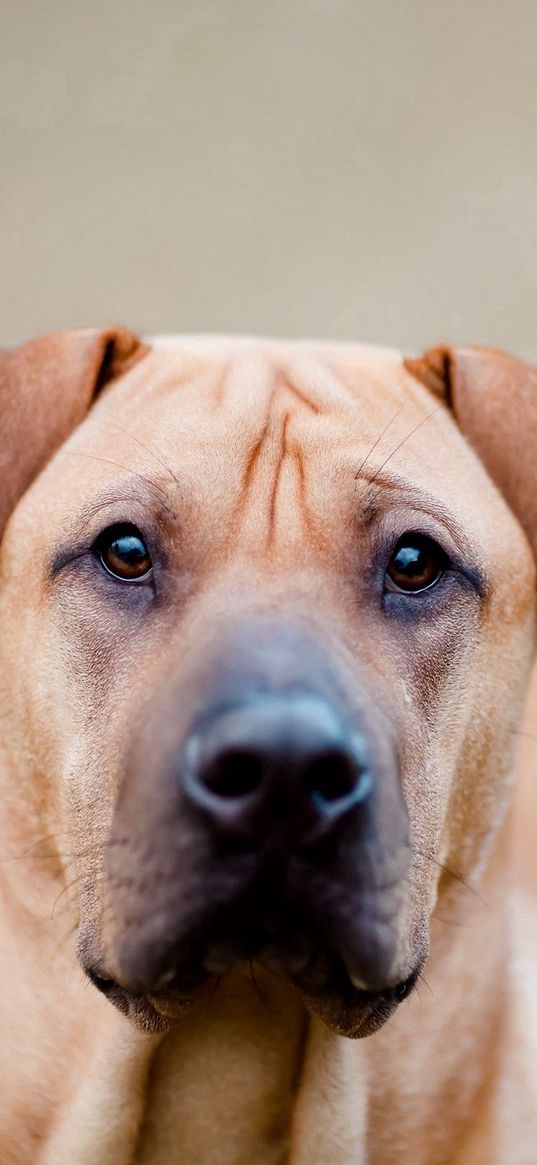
259,604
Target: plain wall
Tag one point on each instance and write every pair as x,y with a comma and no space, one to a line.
345,169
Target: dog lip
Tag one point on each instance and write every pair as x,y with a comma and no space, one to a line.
154,1011
326,973
103,983
321,978
352,1012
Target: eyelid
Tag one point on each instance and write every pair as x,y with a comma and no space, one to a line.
412,536
130,582
67,555
127,503
399,522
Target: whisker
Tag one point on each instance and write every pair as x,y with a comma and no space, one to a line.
62,942
259,992
62,892
148,449
27,853
379,439
404,440
423,980
55,855
117,465
62,913
451,872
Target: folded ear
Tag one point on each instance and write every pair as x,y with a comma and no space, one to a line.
46,389
494,398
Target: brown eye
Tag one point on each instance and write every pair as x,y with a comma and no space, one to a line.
416,563
123,553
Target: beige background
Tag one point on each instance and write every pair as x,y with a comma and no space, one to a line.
314,167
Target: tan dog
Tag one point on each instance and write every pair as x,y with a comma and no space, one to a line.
266,626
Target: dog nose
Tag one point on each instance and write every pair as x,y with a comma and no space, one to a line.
276,771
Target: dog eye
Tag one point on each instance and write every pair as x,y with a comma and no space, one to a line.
122,551
416,564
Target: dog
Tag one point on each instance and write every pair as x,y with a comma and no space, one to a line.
267,623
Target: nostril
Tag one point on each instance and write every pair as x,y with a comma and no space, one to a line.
336,781
330,777
234,773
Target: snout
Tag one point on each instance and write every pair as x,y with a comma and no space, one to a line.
279,773
269,824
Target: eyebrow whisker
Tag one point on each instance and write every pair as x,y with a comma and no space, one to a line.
379,439
152,452
153,485
404,440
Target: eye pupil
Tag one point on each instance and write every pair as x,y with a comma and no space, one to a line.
123,553
411,560
416,563
129,548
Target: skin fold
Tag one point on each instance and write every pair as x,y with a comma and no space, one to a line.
274,479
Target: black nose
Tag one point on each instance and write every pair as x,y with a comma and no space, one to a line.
276,770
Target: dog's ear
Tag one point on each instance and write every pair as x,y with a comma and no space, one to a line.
46,389
494,398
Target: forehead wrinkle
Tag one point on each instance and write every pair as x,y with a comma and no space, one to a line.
154,377
250,389
317,384
299,394
206,380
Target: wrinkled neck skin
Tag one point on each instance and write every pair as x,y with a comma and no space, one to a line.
248,1075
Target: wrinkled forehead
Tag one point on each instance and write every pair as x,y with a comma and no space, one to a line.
208,411
349,404
194,392
257,380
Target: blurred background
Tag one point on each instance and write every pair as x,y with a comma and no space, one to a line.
334,168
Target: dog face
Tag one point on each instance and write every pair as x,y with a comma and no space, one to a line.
255,615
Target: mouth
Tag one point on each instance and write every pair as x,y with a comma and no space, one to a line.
317,971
